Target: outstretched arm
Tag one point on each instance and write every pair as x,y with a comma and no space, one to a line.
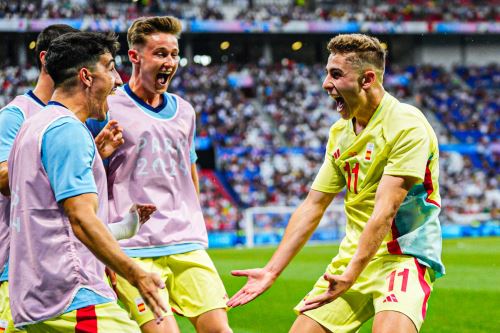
300,228
81,211
390,194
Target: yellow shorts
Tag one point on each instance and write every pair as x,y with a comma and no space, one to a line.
6,323
193,286
107,317
390,283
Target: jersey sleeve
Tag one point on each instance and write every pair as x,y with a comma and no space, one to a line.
11,120
329,178
67,155
410,153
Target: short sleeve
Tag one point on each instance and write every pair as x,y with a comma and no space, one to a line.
68,154
11,120
409,154
329,178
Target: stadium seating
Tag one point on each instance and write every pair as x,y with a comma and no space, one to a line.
270,132
283,11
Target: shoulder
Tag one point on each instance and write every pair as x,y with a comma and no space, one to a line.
119,98
15,107
68,130
403,118
338,127
182,104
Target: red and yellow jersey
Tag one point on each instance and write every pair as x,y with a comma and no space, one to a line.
397,141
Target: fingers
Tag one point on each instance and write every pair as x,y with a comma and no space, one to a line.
114,132
160,284
244,272
112,277
152,301
111,124
330,277
311,306
325,297
318,301
153,298
243,296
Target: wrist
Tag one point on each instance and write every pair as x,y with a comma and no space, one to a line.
134,274
269,271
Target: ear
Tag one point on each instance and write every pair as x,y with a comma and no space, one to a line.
133,56
367,79
85,77
41,56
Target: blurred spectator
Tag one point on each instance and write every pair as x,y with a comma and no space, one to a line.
271,123
358,11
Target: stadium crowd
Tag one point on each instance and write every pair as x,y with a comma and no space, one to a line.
282,11
271,123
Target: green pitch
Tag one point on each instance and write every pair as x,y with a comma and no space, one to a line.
466,300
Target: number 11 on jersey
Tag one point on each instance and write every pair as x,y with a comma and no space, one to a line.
350,172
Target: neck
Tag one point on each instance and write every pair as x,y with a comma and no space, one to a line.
369,105
74,100
152,98
44,87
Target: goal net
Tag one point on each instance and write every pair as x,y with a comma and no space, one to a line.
266,225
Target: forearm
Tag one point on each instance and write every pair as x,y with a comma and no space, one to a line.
4,179
300,228
194,176
369,242
97,238
390,194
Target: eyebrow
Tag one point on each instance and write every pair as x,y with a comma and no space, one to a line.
333,69
163,48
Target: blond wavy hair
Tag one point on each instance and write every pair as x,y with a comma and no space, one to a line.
145,26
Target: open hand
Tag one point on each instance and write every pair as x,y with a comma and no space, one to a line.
109,139
148,285
259,280
338,285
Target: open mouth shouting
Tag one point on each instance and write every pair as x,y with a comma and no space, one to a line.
162,78
340,103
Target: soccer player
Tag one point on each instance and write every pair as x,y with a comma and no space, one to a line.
59,203
385,154
11,118
157,164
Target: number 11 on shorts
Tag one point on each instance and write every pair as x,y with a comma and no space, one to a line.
404,283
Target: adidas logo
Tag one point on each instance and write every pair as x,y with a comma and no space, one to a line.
391,298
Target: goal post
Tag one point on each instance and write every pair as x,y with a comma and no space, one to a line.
265,225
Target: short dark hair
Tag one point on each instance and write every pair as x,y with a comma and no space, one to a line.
48,35
68,53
